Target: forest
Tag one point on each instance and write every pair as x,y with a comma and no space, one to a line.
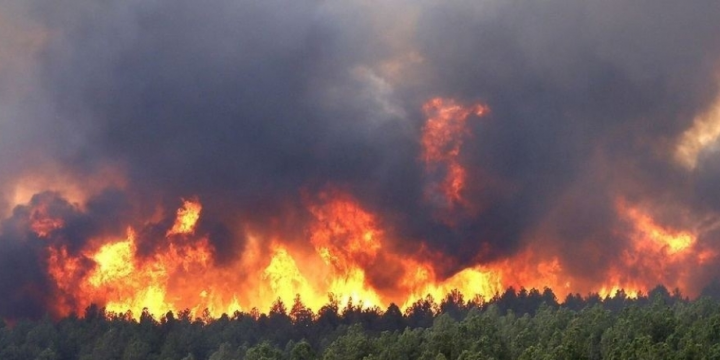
518,324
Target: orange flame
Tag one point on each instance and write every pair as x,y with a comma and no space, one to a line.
650,236
187,216
348,242
42,222
350,245
442,139
655,255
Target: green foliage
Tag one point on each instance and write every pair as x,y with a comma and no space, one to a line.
527,325
225,352
263,351
354,345
302,351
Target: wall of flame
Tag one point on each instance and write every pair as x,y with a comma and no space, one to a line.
343,248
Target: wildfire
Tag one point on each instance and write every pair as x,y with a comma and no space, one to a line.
284,277
655,255
114,261
187,217
442,138
338,252
42,222
347,241
650,236
344,233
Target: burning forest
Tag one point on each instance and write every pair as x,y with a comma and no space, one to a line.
219,157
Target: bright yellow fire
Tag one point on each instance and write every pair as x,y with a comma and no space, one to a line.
344,248
187,216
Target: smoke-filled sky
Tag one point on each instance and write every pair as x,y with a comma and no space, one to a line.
255,107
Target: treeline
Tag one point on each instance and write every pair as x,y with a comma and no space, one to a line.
514,325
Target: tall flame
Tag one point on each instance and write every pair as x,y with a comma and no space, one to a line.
655,255
348,242
187,217
442,138
339,252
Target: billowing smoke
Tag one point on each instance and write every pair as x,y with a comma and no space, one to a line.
114,113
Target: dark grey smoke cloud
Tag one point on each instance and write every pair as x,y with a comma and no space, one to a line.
24,253
587,100
248,104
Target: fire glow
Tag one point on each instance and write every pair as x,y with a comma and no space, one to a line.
442,139
345,243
